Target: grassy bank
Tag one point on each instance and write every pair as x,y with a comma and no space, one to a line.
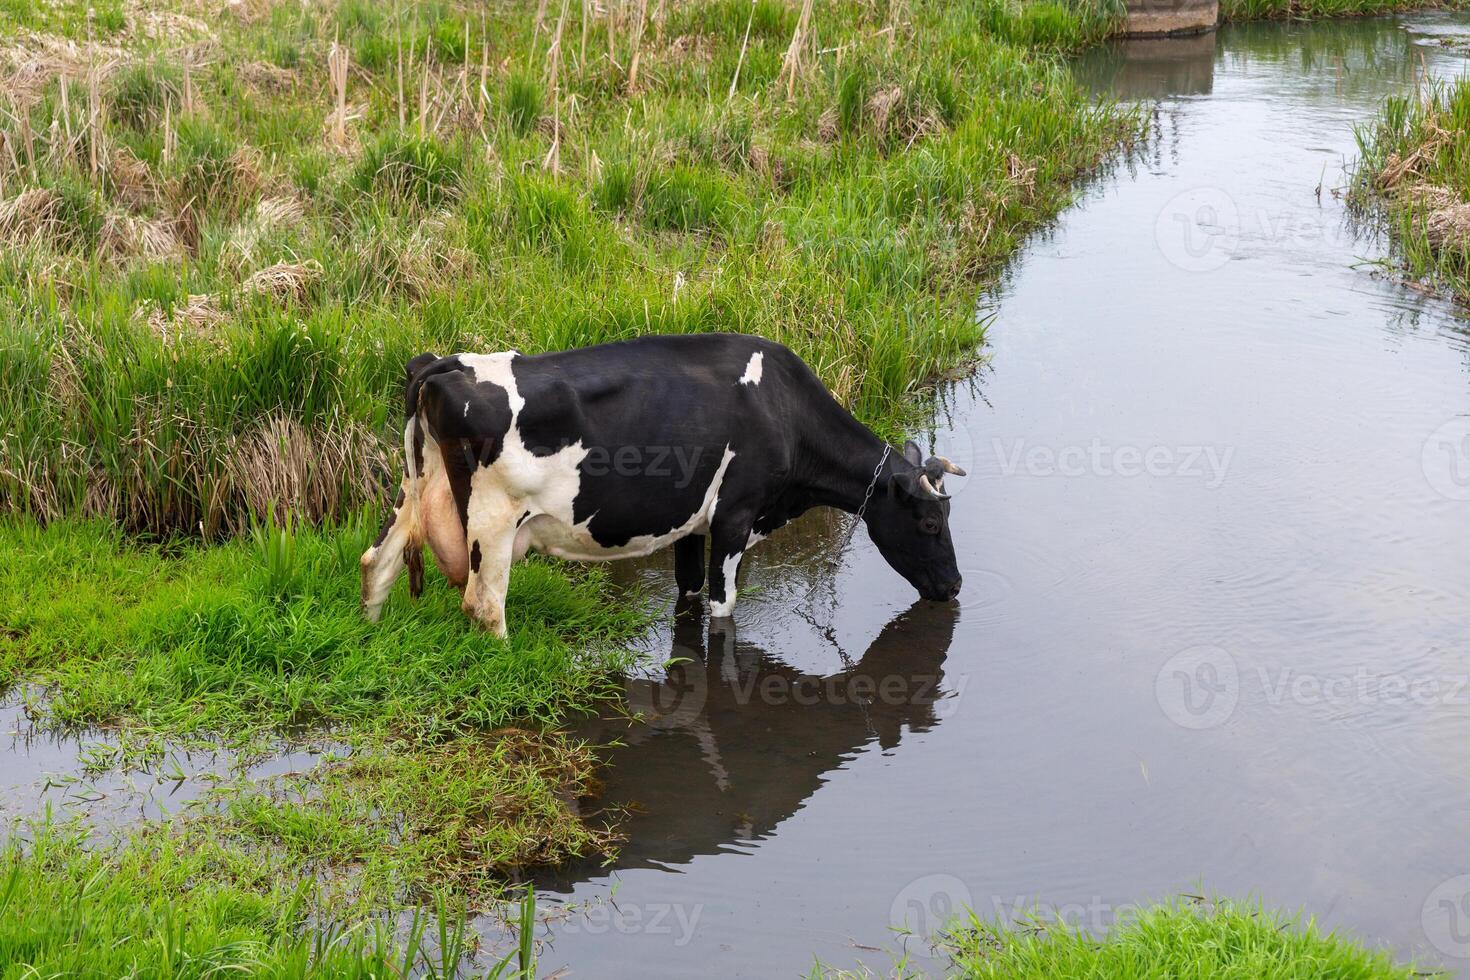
257,636
440,780
1416,167
159,906
1244,10
1184,941
227,226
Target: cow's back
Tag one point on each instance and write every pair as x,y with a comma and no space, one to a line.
662,420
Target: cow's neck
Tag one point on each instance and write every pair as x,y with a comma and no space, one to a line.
839,459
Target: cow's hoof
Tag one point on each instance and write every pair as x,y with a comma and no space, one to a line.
494,625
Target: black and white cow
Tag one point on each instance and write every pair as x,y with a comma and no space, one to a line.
619,450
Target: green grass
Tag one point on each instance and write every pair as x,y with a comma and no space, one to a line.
239,638
853,210
1246,10
1415,173
443,777
443,782
159,906
1212,940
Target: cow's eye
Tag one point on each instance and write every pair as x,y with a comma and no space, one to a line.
930,525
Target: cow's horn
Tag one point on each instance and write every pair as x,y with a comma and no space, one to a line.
949,467
930,489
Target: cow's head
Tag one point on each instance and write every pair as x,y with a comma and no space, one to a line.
908,519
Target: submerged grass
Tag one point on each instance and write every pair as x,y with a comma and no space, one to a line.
1415,169
1182,940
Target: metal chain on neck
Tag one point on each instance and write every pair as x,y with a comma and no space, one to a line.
836,559
862,507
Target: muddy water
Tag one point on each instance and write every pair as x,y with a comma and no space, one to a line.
1217,603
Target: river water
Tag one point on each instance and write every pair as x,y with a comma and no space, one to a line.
1216,545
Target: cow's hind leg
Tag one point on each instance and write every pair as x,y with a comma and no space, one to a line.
490,538
689,564
399,543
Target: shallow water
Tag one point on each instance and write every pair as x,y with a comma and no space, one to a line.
1213,633
66,775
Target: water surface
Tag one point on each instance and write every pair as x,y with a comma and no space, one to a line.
1216,544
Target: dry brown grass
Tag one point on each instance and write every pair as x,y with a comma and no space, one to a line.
275,462
1442,212
891,114
249,11
129,179
126,235
174,21
29,216
1407,170
690,47
270,215
1449,227
311,472
267,78
414,266
198,316
339,61
31,60
285,281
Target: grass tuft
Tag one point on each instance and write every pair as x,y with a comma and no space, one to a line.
1414,171
410,168
523,101
1221,940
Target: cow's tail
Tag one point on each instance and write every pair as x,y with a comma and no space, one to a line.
413,549
411,491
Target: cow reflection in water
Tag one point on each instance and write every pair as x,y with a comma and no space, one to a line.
734,740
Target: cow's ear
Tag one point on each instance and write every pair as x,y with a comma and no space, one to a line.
912,453
918,485
411,370
417,364
904,484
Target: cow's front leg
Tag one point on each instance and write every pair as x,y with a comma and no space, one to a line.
381,564
689,564
728,540
490,540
